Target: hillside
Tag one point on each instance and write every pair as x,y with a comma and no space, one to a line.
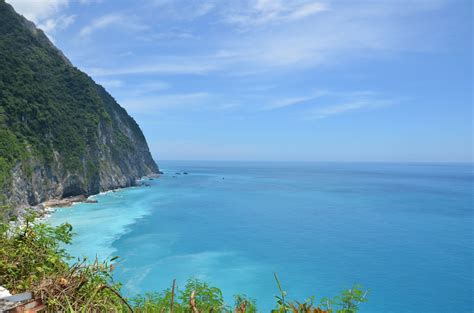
61,134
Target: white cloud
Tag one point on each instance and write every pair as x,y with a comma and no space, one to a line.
254,13
159,3
112,19
203,9
46,14
171,66
156,103
37,10
294,35
53,24
150,87
183,10
336,35
153,103
286,102
336,109
101,22
324,103
90,1
112,83
307,10
137,90
168,35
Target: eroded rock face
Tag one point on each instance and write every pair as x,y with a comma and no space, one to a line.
72,137
115,168
53,181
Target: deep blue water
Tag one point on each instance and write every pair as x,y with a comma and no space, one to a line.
405,231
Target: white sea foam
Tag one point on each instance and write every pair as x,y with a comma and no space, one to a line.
98,225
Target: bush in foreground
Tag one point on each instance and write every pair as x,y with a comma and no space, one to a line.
32,259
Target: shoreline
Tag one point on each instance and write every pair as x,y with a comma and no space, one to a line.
48,207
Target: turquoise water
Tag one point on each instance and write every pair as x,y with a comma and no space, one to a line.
403,230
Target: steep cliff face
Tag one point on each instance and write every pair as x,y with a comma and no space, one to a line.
61,134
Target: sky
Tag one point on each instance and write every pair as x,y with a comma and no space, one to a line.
279,80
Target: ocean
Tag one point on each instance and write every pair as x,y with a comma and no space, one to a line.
404,231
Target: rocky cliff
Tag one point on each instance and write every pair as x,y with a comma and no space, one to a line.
61,134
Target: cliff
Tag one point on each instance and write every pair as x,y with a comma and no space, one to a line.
61,134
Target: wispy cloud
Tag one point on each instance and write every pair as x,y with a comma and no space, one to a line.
340,32
286,102
112,19
168,35
254,13
53,24
171,66
140,89
326,103
101,22
90,1
149,87
153,104
307,9
204,8
37,10
184,10
111,83
45,14
306,34
337,109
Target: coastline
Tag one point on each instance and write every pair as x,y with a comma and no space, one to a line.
48,207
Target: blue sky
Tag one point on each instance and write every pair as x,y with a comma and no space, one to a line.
309,80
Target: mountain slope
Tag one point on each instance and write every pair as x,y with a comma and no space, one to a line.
61,134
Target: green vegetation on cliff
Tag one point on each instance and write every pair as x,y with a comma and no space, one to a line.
45,103
54,115
32,259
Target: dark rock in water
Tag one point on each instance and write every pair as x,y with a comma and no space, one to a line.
161,173
83,144
185,173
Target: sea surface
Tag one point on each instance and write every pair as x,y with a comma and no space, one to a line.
404,231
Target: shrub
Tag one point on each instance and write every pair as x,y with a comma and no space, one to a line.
32,259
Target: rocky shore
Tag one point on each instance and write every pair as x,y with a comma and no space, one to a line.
66,202
43,209
47,207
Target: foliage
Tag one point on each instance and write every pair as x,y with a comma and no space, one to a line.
30,253
347,302
32,258
207,298
154,302
50,111
243,304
